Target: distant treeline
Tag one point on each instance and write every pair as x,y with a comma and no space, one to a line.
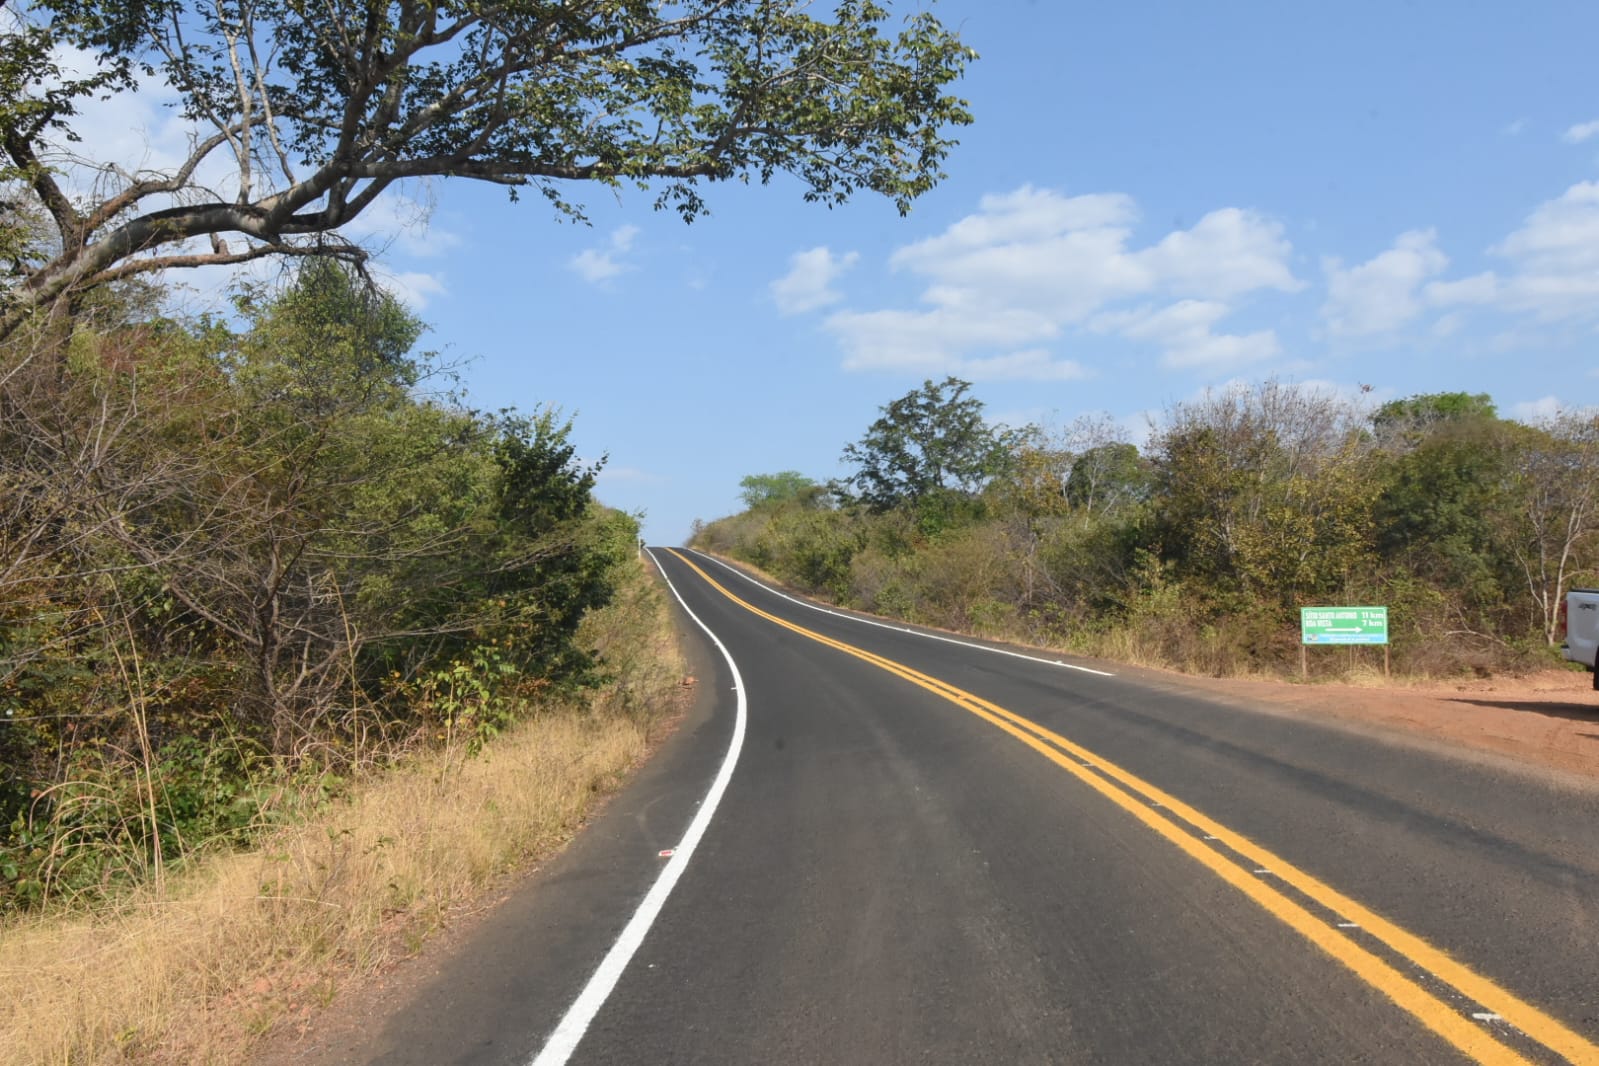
1198,549
235,551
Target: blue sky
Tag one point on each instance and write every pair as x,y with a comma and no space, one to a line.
1156,198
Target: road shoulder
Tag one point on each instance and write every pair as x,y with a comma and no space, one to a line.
470,993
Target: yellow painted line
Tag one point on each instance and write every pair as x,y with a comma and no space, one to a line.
1136,797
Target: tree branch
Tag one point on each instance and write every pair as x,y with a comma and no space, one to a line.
260,251
69,224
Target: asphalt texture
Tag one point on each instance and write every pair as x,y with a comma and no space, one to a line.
891,879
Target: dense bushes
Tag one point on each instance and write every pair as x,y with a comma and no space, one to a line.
234,554
1199,550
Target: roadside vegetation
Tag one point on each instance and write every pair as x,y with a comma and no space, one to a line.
237,943
1197,549
242,562
297,653
296,648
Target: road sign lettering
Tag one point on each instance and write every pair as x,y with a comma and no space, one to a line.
1343,625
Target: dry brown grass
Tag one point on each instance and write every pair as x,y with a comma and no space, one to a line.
242,942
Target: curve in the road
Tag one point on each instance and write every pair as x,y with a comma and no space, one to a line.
1361,940
899,629
560,1045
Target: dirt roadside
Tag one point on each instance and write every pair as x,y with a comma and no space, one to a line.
1547,720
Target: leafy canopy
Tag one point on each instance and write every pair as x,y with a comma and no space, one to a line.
771,490
931,440
312,112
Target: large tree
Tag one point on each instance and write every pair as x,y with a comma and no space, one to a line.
772,490
304,115
930,441
1264,491
1555,535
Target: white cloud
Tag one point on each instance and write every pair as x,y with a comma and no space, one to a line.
402,218
1022,216
937,342
809,281
1380,295
1555,257
1060,256
935,339
1032,364
1561,235
1514,128
137,132
596,265
1552,274
1553,262
1477,289
1071,254
142,133
1227,253
1580,132
1184,333
1538,411
1032,264
414,288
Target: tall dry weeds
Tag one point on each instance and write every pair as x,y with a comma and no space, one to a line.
238,943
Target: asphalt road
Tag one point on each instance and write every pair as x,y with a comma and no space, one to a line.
930,852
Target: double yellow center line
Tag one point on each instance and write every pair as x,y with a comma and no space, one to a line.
1338,929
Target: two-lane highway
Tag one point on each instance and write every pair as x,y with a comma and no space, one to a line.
923,850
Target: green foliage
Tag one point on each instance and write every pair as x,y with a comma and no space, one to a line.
771,490
971,580
1438,507
468,697
813,548
1199,550
323,109
1108,477
226,557
932,442
1085,470
329,331
1265,494
1034,485
1414,416
111,821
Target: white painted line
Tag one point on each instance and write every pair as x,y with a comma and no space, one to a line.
1487,1016
564,1040
1348,925
1263,870
901,629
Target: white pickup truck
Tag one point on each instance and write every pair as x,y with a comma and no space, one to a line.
1582,628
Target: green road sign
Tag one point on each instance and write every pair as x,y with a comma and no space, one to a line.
1343,625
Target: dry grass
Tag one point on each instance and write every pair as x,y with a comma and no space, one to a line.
242,942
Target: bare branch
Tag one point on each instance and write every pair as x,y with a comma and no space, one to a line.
356,96
260,251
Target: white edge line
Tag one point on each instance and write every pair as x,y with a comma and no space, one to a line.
560,1045
899,629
